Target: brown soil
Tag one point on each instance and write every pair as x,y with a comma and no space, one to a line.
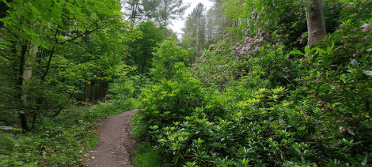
116,143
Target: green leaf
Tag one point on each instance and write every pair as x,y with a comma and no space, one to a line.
57,13
6,42
320,50
46,16
367,5
329,49
47,3
6,3
347,12
351,132
307,50
295,51
315,57
274,33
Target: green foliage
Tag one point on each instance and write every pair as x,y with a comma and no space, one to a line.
272,108
58,53
214,131
169,100
166,55
337,84
245,106
195,30
269,66
64,140
141,50
290,28
169,10
124,91
7,144
146,156
216,66
122,87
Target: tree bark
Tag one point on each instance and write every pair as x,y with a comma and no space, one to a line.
48,65
22,112
315,21
24,75
27,74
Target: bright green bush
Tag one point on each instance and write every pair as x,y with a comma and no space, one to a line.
169,101
211,134
308,108
166,55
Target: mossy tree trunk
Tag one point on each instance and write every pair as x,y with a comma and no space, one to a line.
315,21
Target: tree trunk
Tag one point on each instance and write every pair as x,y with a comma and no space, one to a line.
27,74
133,19
24,74
315,21
22,112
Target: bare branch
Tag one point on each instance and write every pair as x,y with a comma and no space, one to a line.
48,66
12,33
5,57
87,32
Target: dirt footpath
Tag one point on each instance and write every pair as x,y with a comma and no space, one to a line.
116,143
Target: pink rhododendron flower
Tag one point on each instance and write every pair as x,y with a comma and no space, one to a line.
260,40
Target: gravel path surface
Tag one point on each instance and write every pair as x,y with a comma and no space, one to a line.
116,143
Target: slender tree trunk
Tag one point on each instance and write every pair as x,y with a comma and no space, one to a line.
88,92
33,121
22,112
48,65
93,83
315,21
28,73
84,98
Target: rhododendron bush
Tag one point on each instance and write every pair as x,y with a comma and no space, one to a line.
265,98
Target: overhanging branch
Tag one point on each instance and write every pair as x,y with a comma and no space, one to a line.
15,35
48,66
5,57
87,32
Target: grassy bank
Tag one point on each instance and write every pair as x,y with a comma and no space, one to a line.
61,141
144,155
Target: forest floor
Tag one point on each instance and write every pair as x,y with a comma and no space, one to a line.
116,142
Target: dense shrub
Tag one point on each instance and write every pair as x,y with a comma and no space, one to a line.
216,66
266,107
166,55
169,101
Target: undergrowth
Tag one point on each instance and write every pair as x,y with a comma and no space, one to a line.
61,141
146,156
260,105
